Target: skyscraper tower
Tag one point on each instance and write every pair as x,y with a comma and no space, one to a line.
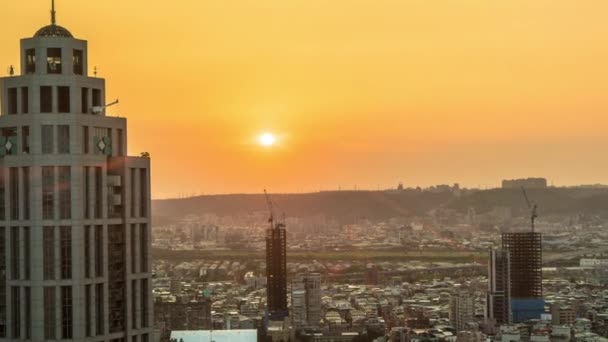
525,254
276,271
499,293
74,209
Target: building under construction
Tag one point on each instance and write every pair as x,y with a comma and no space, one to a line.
525,261
276,271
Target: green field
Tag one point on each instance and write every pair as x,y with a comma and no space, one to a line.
361,255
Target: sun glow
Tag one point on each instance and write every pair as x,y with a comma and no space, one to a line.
267,139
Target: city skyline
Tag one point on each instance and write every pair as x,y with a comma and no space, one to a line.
375,92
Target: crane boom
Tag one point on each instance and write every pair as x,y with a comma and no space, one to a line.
274,222
270,209
99,109
532,206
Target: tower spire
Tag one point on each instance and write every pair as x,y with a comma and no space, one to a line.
53,19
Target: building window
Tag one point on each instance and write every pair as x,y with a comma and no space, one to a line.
99,299
46,99
63,99
26,253
15,253
28,313
143,193
134,304
87,251
25,100
99,251
66,252
133,192
16,301
116,278
87,192
66,312
26,192
144,303
53,60
87,310
30,61
120,139
65,192
48,140
12,101
25,139
96,97
63,139
49,313
48,192
78,62
98,192
133,248
48,253
85,139
3,296
84,100
14,192
2,193
143,248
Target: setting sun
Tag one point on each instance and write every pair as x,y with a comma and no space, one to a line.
267,139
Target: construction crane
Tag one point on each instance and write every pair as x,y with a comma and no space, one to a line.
272,217
532,206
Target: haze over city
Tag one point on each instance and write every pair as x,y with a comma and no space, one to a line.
356,93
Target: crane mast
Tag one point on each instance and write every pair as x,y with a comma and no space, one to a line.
532,206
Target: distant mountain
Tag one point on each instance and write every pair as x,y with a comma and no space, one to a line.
340,205
347,206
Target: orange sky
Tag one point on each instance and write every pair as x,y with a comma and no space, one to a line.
360,92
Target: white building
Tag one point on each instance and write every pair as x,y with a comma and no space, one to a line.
462,310
74,209
306,300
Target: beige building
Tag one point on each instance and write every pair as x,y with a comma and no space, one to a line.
74,209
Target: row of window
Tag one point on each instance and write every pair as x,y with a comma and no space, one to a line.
21,299
16,104
54,61
57,193
56,139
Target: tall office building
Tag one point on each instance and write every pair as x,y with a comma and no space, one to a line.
525,254
499,293
276,271
306,300
74,209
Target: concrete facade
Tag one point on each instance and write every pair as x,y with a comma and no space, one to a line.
75,230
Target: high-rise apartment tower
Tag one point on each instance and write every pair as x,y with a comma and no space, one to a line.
74,209
499,293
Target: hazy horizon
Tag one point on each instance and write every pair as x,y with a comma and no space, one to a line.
357,93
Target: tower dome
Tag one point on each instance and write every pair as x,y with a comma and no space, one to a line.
53,30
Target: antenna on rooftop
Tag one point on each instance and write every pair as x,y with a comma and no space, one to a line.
53,13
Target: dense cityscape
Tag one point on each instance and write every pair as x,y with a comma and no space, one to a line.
445,276
87,255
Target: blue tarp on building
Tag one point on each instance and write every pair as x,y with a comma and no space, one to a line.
525,309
